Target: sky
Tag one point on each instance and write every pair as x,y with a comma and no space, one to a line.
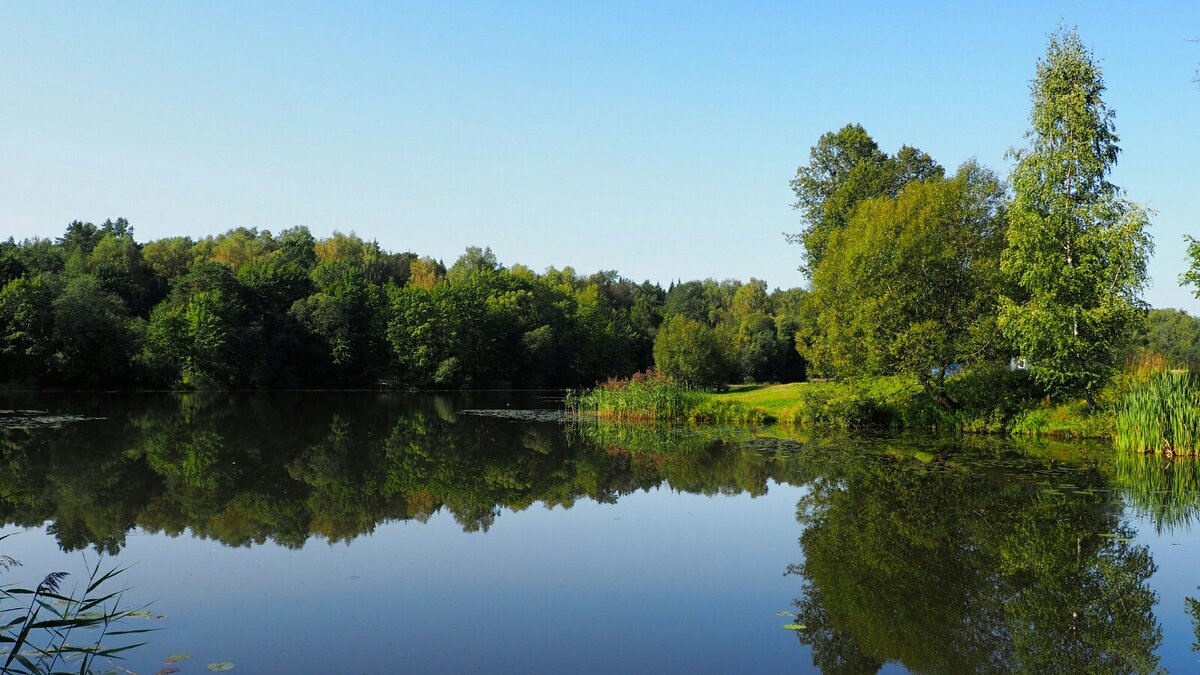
656,139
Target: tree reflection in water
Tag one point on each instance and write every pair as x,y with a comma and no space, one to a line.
950,570
939,557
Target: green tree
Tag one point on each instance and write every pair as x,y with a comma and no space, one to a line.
910,284
286,358
92,341
474,261
297,246
170,257
117,262
1192,275
1076,249
26,329
348,316
1174,333
688,351
200,336
845,168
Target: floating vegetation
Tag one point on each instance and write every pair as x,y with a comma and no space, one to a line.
521,415
220,666
1160,415
176,658
143,614
35,419
166,671
795,626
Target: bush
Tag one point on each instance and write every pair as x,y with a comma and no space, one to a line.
992,396
867,402
688,352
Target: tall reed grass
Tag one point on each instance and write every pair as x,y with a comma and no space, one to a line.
1160,414
41,628
649,396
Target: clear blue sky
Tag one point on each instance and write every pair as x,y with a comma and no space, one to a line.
657,139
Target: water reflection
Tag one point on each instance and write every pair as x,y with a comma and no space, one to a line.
960,555
247,469
954,571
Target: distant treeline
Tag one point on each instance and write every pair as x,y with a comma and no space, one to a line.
95,308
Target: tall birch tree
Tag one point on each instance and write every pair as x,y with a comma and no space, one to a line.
1077,249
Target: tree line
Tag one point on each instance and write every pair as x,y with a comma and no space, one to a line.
95,308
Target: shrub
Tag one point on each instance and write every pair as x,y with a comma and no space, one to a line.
688,352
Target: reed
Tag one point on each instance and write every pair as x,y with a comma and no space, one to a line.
39,623
1160,414
649,396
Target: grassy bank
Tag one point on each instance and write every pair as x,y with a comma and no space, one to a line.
992,401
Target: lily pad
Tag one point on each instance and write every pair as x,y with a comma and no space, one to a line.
166,671
221,665
140,614
176,658
795,626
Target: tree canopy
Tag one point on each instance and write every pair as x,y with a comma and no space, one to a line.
251,309
910,284
845,168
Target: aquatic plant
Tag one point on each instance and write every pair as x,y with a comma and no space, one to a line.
1160,414
644,396
40,622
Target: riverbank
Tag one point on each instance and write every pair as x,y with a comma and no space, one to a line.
990,402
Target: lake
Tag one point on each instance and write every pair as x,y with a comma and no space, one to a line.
436,533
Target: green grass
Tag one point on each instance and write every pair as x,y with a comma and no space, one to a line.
1072,419
895,402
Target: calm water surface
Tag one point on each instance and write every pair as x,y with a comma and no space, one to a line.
361,532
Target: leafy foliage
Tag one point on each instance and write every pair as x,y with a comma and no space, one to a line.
1076,249
909,285
248,309
688,352
846,168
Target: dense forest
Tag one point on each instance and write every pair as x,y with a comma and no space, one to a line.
95,308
